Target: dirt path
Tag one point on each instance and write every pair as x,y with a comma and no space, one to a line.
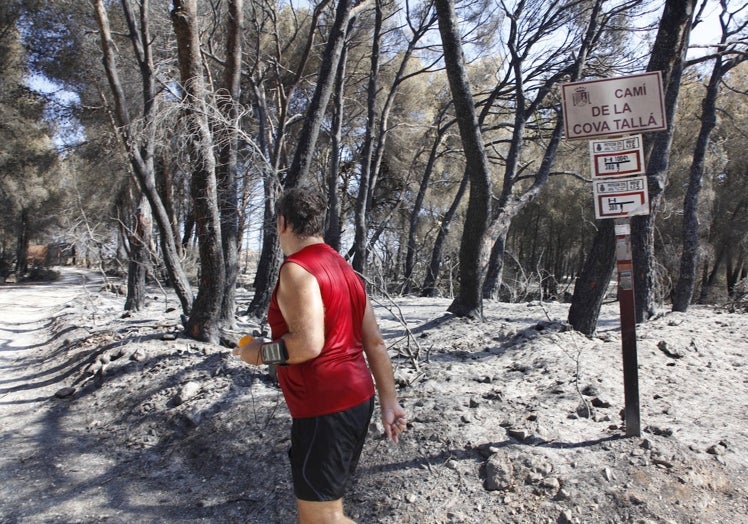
56,466
26,313
34,462
127,444
26,316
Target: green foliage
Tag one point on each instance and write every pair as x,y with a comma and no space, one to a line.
30,186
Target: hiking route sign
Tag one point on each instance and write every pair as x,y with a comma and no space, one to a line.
618,198
614,106
617,157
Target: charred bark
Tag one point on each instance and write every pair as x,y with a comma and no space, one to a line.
429,287
469,301
668,56
137,270
593,281
204,321
227,165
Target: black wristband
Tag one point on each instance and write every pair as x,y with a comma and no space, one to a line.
274,353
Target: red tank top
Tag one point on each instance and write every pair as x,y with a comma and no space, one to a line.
339,378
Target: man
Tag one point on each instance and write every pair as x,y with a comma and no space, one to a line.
322,324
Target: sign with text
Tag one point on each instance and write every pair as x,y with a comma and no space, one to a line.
617,157
619,198
614,106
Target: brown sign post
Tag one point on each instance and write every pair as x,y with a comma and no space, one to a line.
628,326
602,108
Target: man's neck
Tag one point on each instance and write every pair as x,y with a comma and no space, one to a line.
297,244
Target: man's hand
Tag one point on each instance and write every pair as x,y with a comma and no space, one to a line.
248,349
394,420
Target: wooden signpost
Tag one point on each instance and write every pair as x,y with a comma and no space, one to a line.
627,309
602,108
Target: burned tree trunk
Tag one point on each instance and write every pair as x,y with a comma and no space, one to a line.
204,321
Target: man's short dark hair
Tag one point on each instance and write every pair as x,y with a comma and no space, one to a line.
304,209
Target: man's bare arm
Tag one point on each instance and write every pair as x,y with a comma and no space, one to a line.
393,415
300,302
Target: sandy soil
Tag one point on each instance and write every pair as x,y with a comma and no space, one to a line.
107,417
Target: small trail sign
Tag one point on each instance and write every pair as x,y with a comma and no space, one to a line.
622,198
617,157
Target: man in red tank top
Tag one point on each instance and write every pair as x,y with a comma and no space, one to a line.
324,334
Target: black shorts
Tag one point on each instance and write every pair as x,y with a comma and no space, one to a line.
325,451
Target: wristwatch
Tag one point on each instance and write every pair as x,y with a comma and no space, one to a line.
274,353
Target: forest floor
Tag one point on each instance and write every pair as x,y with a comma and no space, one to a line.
118,418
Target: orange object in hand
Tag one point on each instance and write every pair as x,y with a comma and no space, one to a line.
246,339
